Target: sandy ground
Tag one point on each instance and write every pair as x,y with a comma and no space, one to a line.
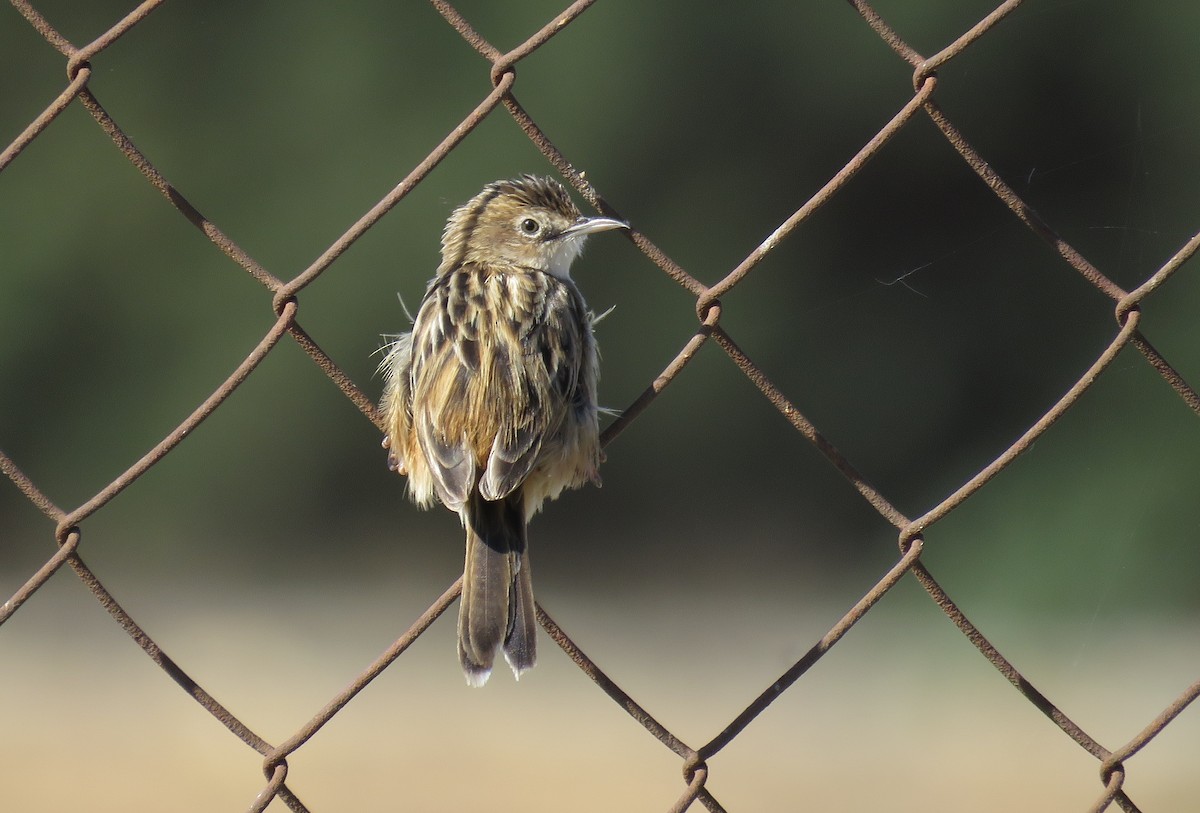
903,715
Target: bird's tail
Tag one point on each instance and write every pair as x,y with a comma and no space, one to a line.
496,610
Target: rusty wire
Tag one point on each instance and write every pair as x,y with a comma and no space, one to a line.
69,524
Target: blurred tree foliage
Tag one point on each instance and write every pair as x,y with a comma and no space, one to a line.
912,319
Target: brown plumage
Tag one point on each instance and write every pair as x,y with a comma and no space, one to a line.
490,402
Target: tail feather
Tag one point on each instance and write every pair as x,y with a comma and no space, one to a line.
496,609
520,647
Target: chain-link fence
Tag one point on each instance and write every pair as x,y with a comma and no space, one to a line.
1115,759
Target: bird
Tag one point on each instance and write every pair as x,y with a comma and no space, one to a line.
489,402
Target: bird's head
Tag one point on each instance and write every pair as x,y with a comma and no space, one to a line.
529,222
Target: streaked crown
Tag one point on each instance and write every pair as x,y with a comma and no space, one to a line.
526,222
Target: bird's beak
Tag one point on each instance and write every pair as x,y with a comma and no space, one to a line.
591,225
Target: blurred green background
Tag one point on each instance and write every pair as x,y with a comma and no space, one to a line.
913,320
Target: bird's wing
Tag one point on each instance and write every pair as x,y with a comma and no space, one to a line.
496,362
443,369
548,317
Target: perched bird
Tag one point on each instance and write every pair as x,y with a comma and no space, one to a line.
490,401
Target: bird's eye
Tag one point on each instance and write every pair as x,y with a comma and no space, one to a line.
530,227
